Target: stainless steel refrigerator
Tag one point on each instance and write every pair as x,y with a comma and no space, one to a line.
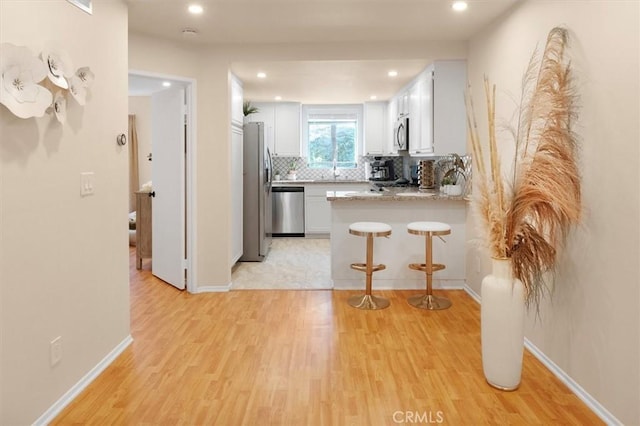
257,210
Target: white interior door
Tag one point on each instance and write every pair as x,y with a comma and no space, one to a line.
168,177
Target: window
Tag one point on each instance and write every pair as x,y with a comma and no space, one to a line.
332,136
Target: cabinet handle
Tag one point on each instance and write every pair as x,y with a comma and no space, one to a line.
152,194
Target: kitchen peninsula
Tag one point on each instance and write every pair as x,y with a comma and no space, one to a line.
396,207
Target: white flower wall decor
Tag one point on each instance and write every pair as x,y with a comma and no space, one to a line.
21,73
27,82
59,66
60,107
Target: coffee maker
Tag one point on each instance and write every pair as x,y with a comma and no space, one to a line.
381,170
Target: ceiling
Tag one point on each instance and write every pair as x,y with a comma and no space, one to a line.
140,85
256,22
325,81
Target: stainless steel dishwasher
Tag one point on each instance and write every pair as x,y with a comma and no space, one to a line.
288,211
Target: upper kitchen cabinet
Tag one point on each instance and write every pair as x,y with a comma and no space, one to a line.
449,111
442,117
237,116
287,129
282,126
376,136
421,118
266,115
414,109
392,118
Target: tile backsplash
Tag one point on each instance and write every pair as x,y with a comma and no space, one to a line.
283,164
401,165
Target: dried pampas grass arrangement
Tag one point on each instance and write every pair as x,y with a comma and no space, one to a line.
527,219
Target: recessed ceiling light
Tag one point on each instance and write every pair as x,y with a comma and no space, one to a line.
278,98
392,73
261,75
373,97
166,83
459,6
195,9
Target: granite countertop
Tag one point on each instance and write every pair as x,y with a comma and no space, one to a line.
317,181
392,194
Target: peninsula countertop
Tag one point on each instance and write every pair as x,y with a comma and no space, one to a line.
285,182
392,194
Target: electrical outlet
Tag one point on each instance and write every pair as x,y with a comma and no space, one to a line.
87,182
56,350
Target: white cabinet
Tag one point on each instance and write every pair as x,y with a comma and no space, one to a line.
237,116
415,122
281,126
422,143
317,210
236,193
376,137
403,103
287,129
449,114
266,114
392,113
442,115
237,142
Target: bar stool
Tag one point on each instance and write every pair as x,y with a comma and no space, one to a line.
429,230
369,230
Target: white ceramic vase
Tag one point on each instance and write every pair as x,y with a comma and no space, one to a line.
502,326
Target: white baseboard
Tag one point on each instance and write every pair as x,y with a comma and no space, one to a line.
573,386
471,292
213,289
75,390
584,396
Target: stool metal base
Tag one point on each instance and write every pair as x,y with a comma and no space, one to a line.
369,302
429,302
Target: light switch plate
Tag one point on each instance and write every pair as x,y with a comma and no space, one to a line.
87,182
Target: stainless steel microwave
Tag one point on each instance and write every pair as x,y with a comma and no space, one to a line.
401,134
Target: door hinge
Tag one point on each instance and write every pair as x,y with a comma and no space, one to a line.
184,264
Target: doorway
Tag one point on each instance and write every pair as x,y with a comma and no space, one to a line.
168,102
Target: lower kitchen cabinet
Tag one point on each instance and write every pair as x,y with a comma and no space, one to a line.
317,210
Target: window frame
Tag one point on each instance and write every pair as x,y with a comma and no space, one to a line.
344,109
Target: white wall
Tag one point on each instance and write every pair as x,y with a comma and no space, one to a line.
63,258
210,67
591,328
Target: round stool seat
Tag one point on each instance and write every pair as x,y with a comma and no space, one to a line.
363,229
423,228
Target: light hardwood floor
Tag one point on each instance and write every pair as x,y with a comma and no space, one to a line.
287,357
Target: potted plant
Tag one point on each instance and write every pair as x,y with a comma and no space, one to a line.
453,177
526,215
293,169
248,109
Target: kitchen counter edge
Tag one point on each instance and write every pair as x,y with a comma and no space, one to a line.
392,195
316,182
